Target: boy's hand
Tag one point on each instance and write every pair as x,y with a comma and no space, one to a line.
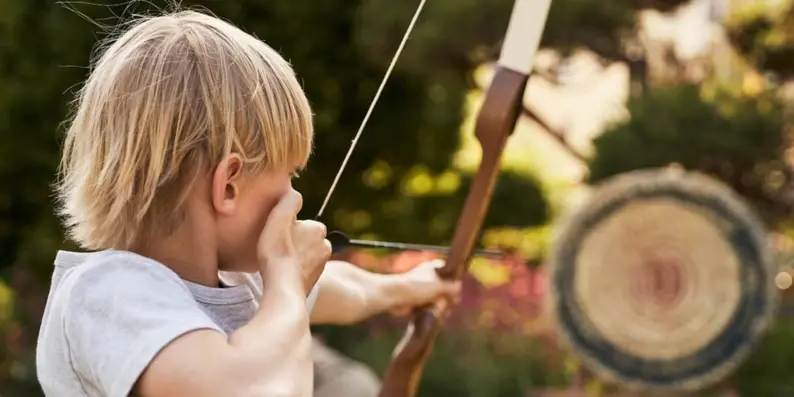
290,248
313,249
421,286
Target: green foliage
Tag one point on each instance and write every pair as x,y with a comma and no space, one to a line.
473,364
461,34
739,140
520,199
31,108
764,35
768,371
600,26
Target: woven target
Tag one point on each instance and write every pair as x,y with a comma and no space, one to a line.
663,280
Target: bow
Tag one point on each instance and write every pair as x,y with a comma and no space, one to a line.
495,123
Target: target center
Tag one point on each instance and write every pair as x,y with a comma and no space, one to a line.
659,280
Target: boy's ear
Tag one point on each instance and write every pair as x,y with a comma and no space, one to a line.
226,182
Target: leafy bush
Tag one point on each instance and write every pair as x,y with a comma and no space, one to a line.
740,140
473,364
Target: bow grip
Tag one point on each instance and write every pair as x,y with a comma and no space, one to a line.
405,371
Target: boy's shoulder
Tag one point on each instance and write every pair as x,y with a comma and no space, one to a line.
102,270
112,284
83,280
107,315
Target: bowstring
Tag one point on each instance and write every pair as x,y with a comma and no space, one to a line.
372,105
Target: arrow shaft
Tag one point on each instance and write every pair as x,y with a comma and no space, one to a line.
418,247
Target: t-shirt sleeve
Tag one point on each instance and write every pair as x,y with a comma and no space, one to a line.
121,310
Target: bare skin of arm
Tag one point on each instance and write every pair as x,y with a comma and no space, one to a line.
348,294
270,355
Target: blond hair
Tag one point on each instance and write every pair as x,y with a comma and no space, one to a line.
165,102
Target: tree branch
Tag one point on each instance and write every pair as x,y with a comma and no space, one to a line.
558,136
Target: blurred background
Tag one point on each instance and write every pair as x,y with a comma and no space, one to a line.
618,85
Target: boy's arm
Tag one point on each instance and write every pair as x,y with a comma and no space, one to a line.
348,294
269,356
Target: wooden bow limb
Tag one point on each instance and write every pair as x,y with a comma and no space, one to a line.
495,122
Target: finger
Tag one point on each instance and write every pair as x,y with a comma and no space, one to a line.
449,290
316,274
282,217
329,249
436,263
401,311
321,253
315,228
453,289
310,231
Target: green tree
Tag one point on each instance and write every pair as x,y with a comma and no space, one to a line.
737,139
764,36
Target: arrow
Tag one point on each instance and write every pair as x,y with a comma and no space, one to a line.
340,242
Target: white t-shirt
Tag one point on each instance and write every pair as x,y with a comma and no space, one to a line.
109,313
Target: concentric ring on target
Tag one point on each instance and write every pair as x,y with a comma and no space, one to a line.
663,280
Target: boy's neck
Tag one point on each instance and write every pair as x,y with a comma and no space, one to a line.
189,258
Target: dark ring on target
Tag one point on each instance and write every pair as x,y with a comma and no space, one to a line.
740,229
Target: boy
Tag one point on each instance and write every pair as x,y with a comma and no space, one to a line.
176,173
